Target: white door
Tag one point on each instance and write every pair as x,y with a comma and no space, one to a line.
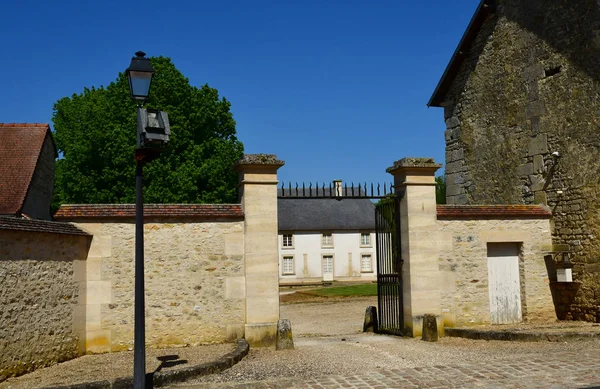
327,267
503,283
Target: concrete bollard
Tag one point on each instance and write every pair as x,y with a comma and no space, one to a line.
370,323
430,332
285,340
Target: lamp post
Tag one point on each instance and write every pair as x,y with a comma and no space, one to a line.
140,74
153,132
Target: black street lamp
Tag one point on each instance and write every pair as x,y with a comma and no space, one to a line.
153,132
140,75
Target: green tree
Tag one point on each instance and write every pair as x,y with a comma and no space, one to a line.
440,189
96,133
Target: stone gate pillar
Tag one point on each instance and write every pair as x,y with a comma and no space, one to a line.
258,192
414,182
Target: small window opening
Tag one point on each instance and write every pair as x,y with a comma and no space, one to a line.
552,71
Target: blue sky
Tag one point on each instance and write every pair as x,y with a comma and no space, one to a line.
337,89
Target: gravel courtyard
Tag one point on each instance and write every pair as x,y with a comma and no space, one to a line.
328,341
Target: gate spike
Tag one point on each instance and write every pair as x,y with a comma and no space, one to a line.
290,187
330,191
378,189
323,189
282,189
352,189
296,188
365,192
384,189
303,194
371,189
310,189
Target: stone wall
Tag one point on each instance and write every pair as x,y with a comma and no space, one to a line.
529,86
39,196
194,283
464,268
41,292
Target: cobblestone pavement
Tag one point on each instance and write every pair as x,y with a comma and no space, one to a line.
558,370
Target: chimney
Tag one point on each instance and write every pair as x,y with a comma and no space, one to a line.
337,186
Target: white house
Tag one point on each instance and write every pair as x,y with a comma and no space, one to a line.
322,239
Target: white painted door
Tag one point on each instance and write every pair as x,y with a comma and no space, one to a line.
503,283
327,267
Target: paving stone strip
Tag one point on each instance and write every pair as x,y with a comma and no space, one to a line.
561,370
530,336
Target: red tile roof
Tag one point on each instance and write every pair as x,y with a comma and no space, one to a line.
492,212
20,147
19,224
196,211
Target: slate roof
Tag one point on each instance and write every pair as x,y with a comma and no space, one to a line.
198,211
18,224
313,214
20,148
516,211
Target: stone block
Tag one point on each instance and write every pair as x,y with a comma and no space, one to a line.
235,331
101,246
452,135
538,164
525,170
452,122
285,340
458,155
261,334
370,323
99,292
537,182
538,145
540,198
453,190
454,167
235,288
533,73
429,333
535,108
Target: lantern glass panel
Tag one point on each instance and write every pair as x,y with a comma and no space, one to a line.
139,84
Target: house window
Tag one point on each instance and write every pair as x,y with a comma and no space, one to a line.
288,240
365,239
366,263
288,264
327,240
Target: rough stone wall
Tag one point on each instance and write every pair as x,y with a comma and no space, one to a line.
464,271
530,86
39,196
194,282
39,296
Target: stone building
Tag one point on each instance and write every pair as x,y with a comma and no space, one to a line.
27,154
521,106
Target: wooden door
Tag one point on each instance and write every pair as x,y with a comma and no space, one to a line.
503,283
327,267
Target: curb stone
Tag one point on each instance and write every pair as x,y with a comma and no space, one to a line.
171,376
518,336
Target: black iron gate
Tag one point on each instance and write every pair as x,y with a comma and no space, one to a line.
390,315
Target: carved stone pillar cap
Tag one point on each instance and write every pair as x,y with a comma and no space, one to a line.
411,163
266,160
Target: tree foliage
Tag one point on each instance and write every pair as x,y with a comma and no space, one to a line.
95,132
440,190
